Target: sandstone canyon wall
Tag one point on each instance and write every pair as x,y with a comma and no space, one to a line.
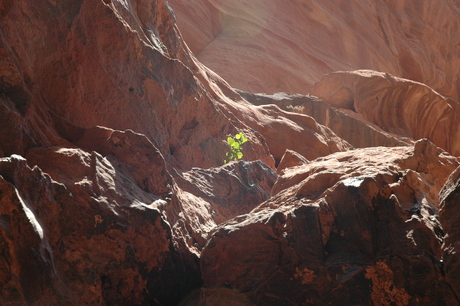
112,188
290,45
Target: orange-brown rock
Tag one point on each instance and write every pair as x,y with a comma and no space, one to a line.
231,190
449,216
97,240
290,45
307,137
290,159
357,227
399,106
356,131
108,71
113,65
111,148
111,111
203,198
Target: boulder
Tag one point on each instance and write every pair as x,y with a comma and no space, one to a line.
350,228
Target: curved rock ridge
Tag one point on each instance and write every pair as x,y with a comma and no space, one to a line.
396,105
358,227
288,46
203,198
112,184
131,71
356,131
112,65
111,113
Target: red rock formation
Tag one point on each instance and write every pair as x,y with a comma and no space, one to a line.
82,243
352,228
74,75
449,216
112,188
356,131
290,45
290,159
396,105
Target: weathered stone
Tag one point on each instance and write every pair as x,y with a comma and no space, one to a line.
356,131
204,198
121,196
449,217
398,106
338,230
307,137
96,239
233,189
289,46
290,159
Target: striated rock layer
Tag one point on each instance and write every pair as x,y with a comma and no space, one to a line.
112,188
290,45
399,106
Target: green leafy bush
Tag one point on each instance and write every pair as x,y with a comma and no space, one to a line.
235,144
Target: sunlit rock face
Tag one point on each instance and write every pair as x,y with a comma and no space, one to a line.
113,187
398,106
105,114
289,45
449,216
356,227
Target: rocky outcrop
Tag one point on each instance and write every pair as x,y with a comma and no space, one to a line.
104,113
350,228
449,216
290,159
112,183
231,190
108,74
396,105
356,131
99,239
289,46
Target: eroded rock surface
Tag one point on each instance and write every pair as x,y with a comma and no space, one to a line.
288,46
449,217
357,131
96,239
396,105
350,228
112,140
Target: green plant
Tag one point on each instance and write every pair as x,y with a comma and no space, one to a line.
235,144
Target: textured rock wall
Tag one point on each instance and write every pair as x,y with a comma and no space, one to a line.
358,227
112,188
356,131
289,45
104,112
399,106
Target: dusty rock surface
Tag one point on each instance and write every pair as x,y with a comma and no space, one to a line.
112,139
290,159
289,45
104,112
89,242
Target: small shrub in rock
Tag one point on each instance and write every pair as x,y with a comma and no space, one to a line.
236,147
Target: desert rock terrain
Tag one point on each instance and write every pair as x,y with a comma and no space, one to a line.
114,121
